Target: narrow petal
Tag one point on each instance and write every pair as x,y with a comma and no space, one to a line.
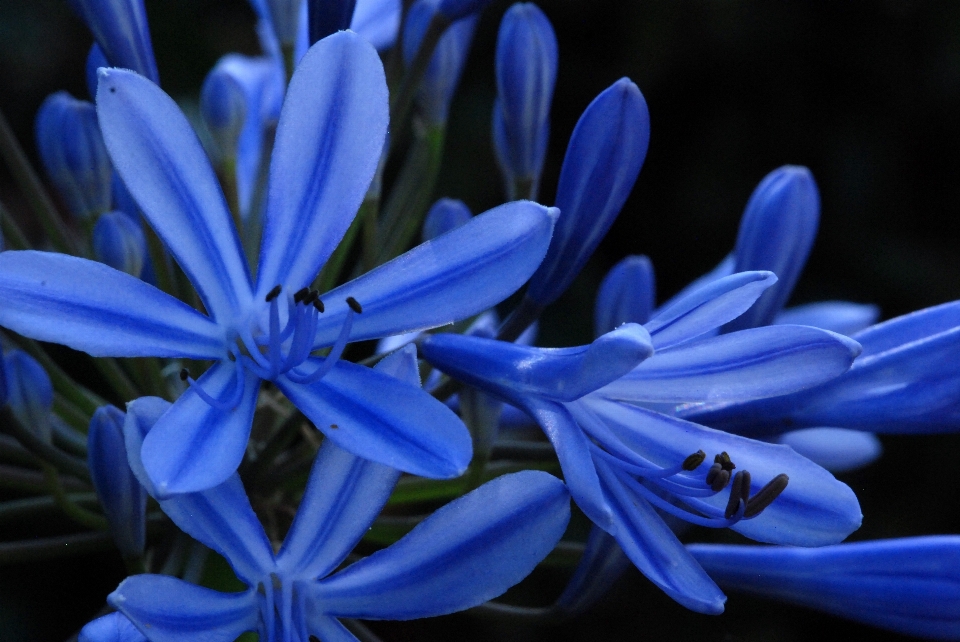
707,307
384,419
452,277
627,294
515,371
170,610
344,495
909,585
814,510
836,449
909,328
162,163
331,131
378,21
195,446
101,311
750,364
842,317
494,536
656,551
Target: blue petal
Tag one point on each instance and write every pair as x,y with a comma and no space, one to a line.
470,551
91,307
836,449
602,564
909,585
656,551
452,277
121,30
514,371
627,294
157,154
814,510
344,495
445,215
171,610
328,628
378,21
384,419
842,317
331,131
114,627
706,308
909,328
195,446
750,364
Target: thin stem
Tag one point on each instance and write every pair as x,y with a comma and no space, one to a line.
360,630
121,383
71,414
25,509
281,439
519,320
42,449
12,234
331,271
31,481
402,101
86,400
71,509
53,547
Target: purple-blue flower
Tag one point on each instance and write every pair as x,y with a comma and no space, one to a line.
120,28
328,144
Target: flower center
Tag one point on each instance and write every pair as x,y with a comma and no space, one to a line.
283,615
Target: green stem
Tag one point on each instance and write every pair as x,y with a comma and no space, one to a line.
42,449
25,509
30,481
12,234
117,378
70,412
331,271
86,400
401,102
70,508
53,547
281,439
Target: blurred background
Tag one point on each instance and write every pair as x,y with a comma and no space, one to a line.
866,94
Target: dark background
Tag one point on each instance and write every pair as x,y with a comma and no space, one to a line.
867,94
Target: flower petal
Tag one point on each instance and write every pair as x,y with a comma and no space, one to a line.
814,510
114,627
909,328
602,564
384,419
909,585
331,131
707,307
452,277
328,629
750,364
195,446
494,536
171,610
101,311
162,163
842,317
836,449
378,21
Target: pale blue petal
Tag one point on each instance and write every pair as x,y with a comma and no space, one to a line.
814,510
378,21
331,131
170,610
470,551
195,446
909,585
101,311
627,294
909,328
142,414
383,419
513,371
162,163
452,277
750,364
836,449
843,317
114,627
706,308
344,495
656,551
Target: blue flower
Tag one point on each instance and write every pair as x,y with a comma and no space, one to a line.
622,460
327,148
466,553
909,585
118,241
120,28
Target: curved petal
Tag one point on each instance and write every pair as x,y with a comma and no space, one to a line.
455,275
170,610
101,311
909,328
384,419
602,564
814,510
514,371
331,130
750,364
195,446
836,449
378,21
162,163
114,627
707,307
343,497
494,536
842,317
909,585
656,551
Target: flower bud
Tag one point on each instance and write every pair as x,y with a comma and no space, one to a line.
776,233
29,392
223,107
445,215
120,28
118,241
95,60
627,295
329,16
73,154
378,21
113,627
602,162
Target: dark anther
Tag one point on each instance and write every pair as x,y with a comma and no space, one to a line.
720,481
724,460
311,297
694,460
354,305
334,426
739,491
274,293
301,294
184,374
713,472
766,495
318,304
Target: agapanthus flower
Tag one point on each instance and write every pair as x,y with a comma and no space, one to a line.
327,148
466,553
622,460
